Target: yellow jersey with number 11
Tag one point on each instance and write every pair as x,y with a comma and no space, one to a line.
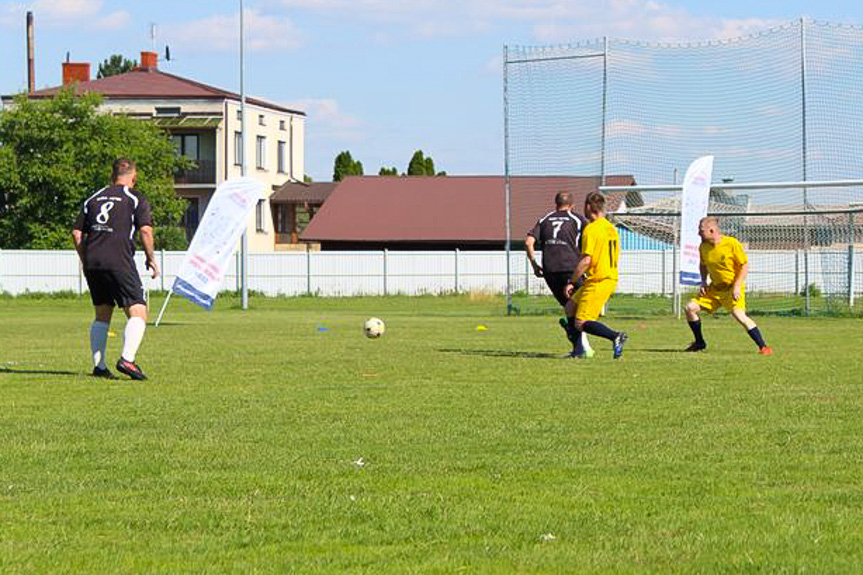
601,242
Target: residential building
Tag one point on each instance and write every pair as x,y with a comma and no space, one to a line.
205,124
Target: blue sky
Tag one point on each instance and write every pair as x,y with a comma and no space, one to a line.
380,78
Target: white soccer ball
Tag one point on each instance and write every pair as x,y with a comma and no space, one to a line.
374,327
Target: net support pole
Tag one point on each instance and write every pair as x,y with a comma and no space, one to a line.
506,191
804,153
851,270
604,108
244,242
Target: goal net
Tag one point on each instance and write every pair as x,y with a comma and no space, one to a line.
781,105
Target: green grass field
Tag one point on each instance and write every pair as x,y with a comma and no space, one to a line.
281,440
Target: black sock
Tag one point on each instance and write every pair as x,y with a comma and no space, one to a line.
574,336
755,334
695,326
599,329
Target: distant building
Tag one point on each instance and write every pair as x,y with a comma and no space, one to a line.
205,124
445,212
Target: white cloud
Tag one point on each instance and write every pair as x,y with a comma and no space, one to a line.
328,119
64,13
552,21
222,33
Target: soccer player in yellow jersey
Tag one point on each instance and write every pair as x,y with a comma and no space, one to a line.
600,254
725,264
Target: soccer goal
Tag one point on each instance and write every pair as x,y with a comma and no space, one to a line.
780,111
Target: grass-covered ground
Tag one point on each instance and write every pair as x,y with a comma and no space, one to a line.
281,440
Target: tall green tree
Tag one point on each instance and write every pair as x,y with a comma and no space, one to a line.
345,166
115,64
422,165
384,171
55,153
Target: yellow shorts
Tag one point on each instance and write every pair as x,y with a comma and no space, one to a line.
591,297
714,298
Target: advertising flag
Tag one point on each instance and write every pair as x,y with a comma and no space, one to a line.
215,241
693,207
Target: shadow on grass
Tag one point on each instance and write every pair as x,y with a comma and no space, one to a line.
505,353
37,371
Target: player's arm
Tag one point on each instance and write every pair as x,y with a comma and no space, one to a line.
580,269
78,240
739,278
529,246
704,275
148,242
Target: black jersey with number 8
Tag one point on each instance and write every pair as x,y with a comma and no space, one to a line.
109,219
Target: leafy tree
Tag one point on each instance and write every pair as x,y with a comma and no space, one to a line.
115,64
308,179
388,171
55,153
417,165
421,165
345,166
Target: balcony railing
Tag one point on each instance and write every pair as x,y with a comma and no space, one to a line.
203,173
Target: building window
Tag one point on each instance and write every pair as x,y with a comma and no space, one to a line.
239,115
167,110
282,125
190,218
282,157
186,145
261,120
238,148
261,153
291,147
261,216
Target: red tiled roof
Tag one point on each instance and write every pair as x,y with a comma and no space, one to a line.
465,209
151,83
302,193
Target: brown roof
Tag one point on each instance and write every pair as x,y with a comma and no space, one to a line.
302,193
152,83
464,209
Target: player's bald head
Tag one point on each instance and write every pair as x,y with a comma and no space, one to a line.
563,199
709,230
123,168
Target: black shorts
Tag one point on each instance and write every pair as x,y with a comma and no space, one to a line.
556,282
122,288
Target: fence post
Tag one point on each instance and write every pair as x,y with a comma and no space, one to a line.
456,270
80,275
237,269
308,270
796,273
526,276
851,239
162,267
386,253
664,271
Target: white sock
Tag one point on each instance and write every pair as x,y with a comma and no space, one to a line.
132,336
99,342
584,343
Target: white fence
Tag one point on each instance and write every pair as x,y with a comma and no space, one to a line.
385,272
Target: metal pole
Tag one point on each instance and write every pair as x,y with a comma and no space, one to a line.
308,270
506,174
604,107
456,270
851,270
386,254
244,244
804,154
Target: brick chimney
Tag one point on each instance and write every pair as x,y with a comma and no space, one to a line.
75,72
149,61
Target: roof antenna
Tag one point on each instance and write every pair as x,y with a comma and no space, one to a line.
153,36
167,53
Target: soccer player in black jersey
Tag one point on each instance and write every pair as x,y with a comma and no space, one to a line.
558,235
104,233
